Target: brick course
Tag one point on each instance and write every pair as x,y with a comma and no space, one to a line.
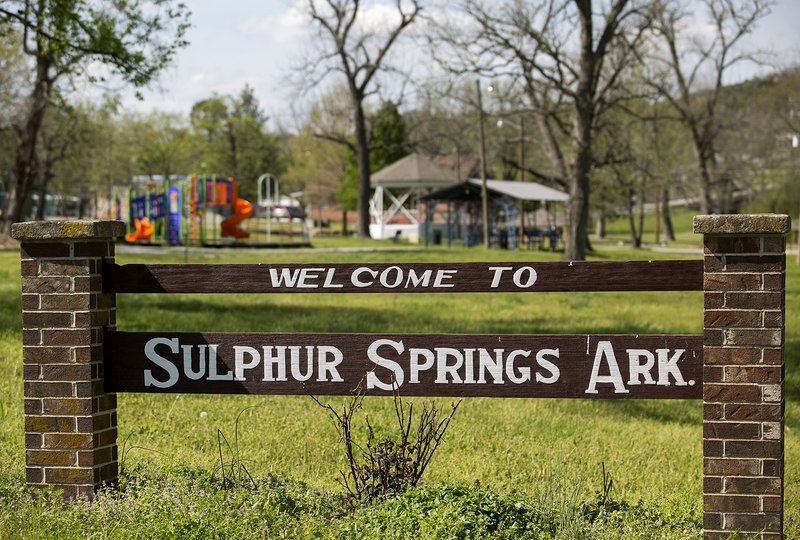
70,422
744,278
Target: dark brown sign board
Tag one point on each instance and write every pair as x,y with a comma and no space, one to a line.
496,365
562,276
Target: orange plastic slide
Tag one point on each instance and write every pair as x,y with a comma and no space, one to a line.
144,230
242,210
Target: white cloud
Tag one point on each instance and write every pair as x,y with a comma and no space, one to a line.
285,27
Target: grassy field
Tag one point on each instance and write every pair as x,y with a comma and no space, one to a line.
507,468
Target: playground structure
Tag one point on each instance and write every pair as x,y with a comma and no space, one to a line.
207,211
155,214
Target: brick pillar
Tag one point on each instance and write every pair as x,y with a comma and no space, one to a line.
70,421
743,380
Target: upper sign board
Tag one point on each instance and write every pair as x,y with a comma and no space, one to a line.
406,277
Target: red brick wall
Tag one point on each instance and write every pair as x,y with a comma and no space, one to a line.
743,384
70,422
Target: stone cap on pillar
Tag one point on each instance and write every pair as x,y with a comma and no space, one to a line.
28,231
749,224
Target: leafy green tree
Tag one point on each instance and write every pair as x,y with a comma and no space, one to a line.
162,144
234,139
134,40
315,167
60,130
388,137
387,140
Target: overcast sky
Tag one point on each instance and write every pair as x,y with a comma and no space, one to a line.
256,42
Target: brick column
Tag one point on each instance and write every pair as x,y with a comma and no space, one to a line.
743,380
70,421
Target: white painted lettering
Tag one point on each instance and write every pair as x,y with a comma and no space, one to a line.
415,281
286,278
160,361
187,362
385,277
605,350
213,366
637,370
294,363
329,284
543,362
239,365
416,366
372,354
498,273
525,372
272,361
469,366
443,369
328,367
493,365
307,274
519,275
442,275
355,278
669,366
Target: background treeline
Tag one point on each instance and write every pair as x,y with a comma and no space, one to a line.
642,159
637,119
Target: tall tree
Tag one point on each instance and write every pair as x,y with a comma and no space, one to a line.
13,85
315,167
386,133
388,137
690,70
134,40
59,130
358,52
569,56
161,142
234,138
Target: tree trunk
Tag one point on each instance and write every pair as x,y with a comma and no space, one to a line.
640,232
577,215
666,216
40,210
636,235
26,162
362,155
234,150
706,206
344,222
704,174
578,204
600,223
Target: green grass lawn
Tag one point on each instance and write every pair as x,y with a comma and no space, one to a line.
507,469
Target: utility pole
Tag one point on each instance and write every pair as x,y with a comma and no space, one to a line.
484,194
796,146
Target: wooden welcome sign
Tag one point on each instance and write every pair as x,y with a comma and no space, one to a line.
504,365
75,361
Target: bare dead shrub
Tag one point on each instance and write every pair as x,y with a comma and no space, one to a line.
379,468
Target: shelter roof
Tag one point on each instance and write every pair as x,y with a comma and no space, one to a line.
522,191
414,170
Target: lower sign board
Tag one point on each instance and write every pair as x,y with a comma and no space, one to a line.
492,365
